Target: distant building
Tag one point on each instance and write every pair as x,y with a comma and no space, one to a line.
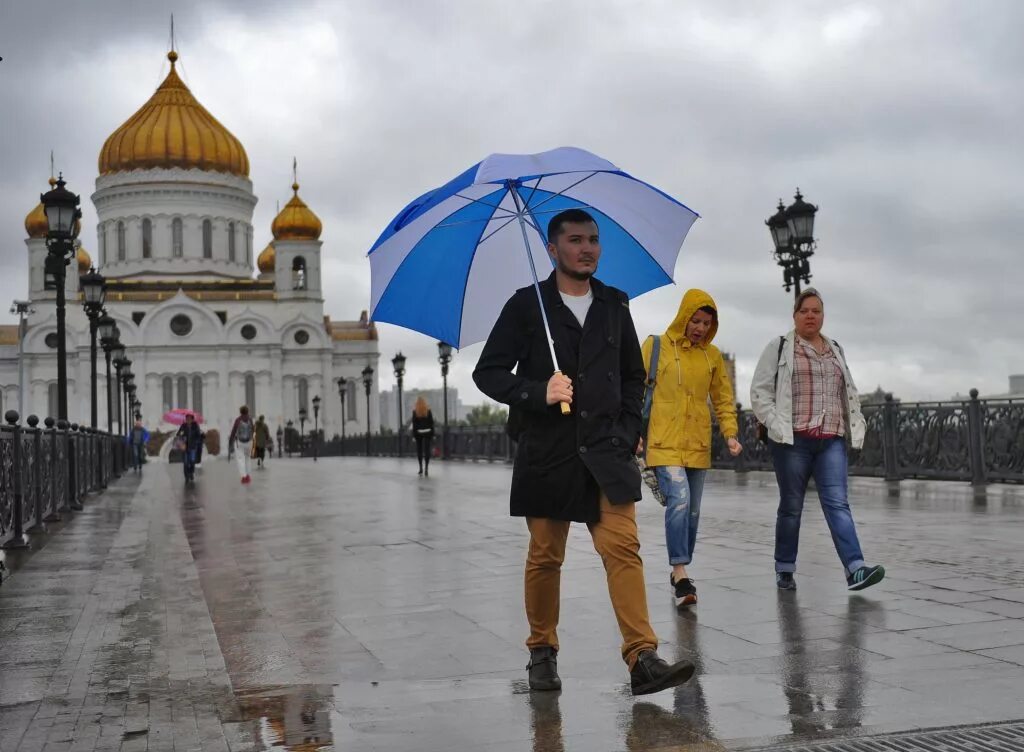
434,398
1016,389
876,397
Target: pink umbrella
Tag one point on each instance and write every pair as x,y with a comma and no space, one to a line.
177,416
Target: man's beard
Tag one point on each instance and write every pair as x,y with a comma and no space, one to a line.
572,274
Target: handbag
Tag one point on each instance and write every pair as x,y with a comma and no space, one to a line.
648,475
762,429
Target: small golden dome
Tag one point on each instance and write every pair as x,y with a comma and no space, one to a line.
35,222
265,261
173,130
84,260
296,220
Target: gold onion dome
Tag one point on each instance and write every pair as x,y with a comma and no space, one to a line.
296,221
84,260
265,261
173,130
35,221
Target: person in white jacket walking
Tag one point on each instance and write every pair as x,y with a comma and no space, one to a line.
803,394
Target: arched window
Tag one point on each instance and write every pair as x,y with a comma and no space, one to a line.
231,241
350,398
303,387
122,249
147,238
207,239
248,247
177,244
51,401
103,245
168,390
182,392
299,273
197,393
250,393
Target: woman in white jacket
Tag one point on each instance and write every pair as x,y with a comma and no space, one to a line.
803,394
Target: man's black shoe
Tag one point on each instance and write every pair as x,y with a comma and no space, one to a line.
651,674
785,581
543,668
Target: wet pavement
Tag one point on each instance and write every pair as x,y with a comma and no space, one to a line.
349,604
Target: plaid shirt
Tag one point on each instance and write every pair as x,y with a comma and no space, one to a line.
819,392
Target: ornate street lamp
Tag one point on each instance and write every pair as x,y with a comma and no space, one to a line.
792,231
316,424
120,361
444,357
62,212
399,363
127,379
342,384
368,385
94,293
107,329
137,408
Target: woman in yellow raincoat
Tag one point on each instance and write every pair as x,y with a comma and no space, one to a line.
690,370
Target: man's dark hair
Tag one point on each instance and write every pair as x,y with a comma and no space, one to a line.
576,216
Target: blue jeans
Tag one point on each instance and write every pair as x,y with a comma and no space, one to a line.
825,461
188,459
137,450
682,488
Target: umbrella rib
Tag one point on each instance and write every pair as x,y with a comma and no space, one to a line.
496,207
497,230
567,188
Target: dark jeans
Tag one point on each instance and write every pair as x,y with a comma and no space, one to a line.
189,460
795,465
137,454
423,450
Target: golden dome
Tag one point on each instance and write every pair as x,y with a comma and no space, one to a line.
296,220
84,260
35,221
173,130
265,261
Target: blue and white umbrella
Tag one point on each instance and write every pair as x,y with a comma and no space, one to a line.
448,262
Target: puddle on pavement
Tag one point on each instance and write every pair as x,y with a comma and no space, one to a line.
289,718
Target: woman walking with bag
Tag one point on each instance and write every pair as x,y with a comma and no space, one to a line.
684,370
803,394
423,430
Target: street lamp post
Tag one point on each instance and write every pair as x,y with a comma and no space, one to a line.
62,212
368,385
94,292
792,231
316,425
127,380
119,363
342,384
444,357
399,363
108,339
22,308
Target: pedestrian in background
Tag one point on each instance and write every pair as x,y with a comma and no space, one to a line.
577,467
423,432
803,394
189,440
138,438
689,370
241,439
260,441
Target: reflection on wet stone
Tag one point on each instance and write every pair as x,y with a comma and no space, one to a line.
293,718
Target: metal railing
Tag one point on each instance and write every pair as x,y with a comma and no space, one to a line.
975,440
46,472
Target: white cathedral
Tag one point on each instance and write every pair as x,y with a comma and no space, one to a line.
203,331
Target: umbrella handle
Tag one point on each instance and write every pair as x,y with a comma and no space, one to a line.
566,409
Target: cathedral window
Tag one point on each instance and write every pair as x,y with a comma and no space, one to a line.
197,393
147,238
303,387
351,396
248,332
207,239
51,340
168,390
103,245
182,391
248,247
181,324
51,400
122,250
231,241
177,245
299,273
250,392
302,336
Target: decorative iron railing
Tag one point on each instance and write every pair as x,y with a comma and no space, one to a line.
973,440
46,472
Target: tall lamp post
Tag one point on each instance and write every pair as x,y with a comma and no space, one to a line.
62,213
368,385
94,292
127,381
342,384
108,339
119,363
22,308
316,425
399,363
792,231
444,357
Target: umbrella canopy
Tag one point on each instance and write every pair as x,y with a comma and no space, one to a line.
448,262
177,416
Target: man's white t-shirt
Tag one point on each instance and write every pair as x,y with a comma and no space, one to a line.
578,304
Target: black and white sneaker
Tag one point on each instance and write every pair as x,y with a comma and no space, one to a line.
865,577
685,592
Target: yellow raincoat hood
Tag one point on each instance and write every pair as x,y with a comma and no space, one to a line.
692,300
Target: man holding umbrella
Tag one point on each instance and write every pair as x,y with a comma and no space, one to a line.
576,467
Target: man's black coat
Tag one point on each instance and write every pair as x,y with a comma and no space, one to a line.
563,461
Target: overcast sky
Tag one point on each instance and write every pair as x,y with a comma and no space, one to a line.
901,120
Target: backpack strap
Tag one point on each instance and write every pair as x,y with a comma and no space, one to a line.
652,379
778,360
